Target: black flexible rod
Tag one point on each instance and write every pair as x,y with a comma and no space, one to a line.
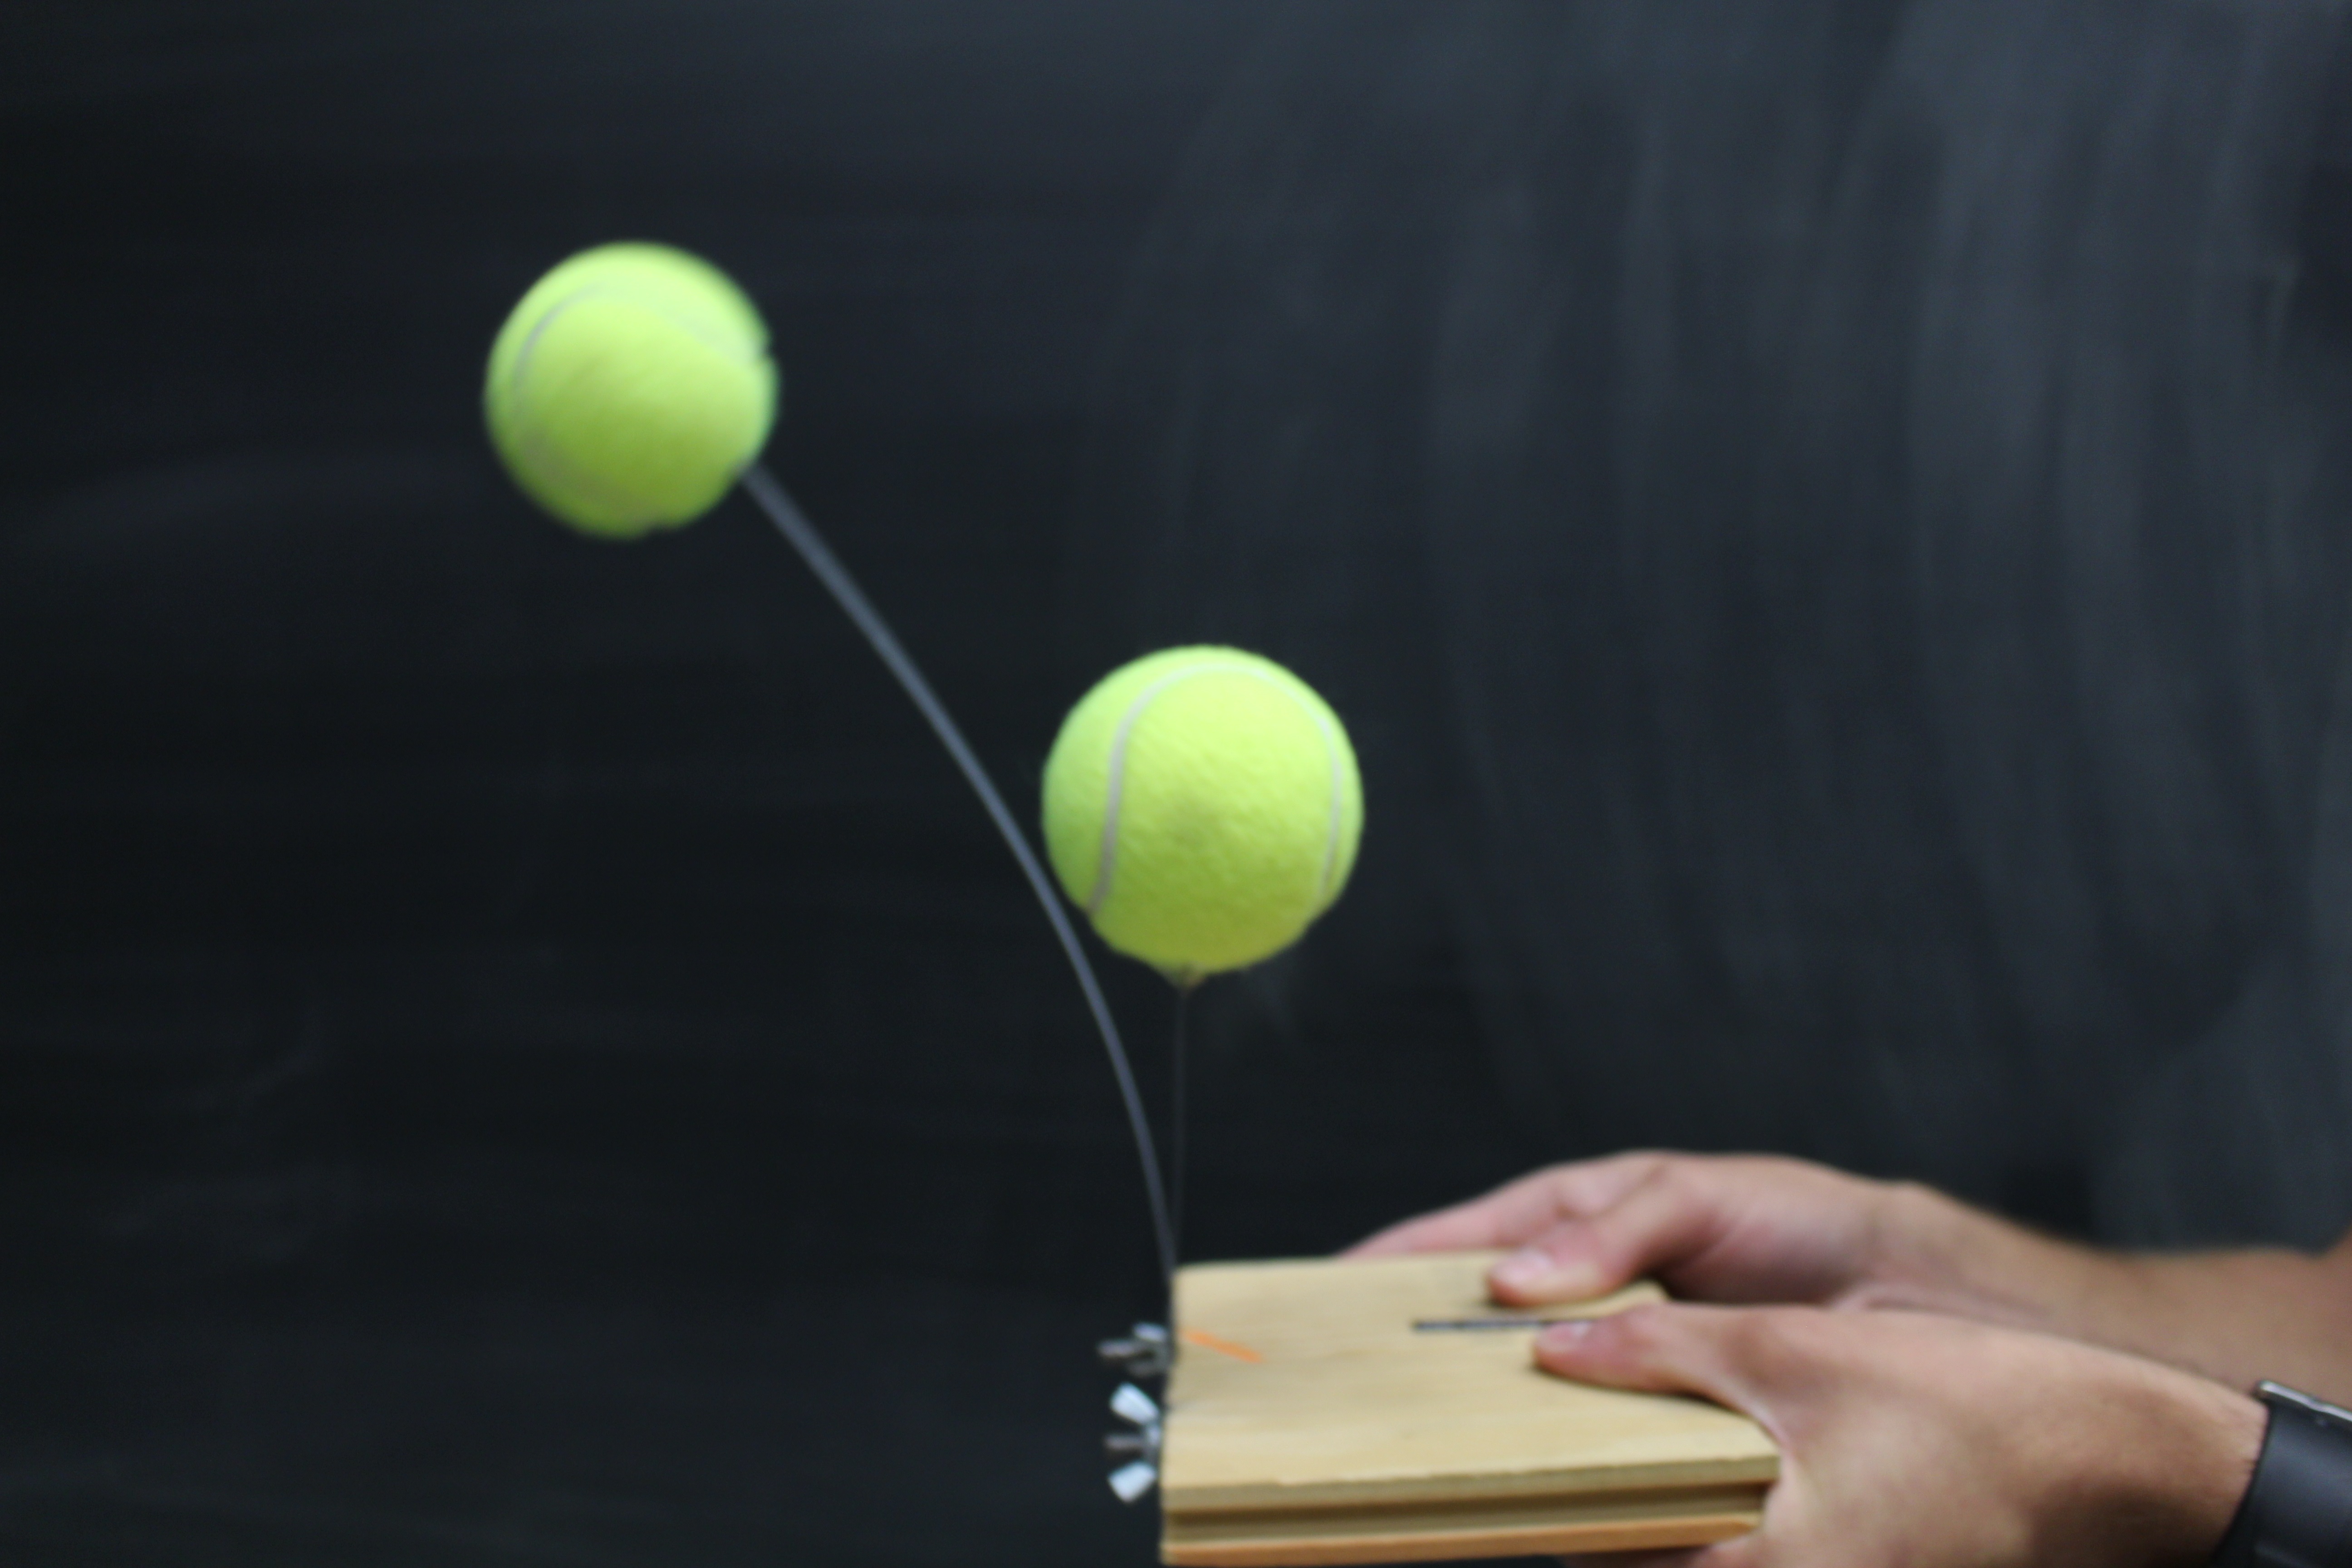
794,525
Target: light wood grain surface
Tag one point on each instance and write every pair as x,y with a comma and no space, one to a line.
1352,1436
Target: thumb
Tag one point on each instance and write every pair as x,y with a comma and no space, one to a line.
1741,1357
1664,1347
1660,1221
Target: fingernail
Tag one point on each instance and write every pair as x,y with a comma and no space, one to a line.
1531,1271
1521,1271
1564,1336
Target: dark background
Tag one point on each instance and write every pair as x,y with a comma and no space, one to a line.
520,1050
1824,519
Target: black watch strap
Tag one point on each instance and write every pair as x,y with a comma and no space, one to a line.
2297,1511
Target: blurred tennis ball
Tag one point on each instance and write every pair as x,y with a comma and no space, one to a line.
629,388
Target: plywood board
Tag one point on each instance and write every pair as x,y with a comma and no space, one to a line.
1309,1421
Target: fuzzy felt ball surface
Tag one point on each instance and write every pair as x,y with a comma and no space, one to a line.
629,388
1203,805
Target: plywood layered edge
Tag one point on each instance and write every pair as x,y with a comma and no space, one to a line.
1533,1526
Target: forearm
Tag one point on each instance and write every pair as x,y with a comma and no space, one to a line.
2235,1316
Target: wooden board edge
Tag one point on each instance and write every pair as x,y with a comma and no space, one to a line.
1758,1469
1421,1546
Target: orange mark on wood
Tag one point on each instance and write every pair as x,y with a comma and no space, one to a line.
1209,1342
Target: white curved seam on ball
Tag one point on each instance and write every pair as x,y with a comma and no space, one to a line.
638,513
1108,855
1338,803
1114,787
634,510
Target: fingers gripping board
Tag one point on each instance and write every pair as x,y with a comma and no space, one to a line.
1310,1421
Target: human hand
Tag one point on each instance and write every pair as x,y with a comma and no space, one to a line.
1910,1441
1751,1229
1717,1229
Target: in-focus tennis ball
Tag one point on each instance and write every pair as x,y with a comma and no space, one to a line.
629,388
1202,806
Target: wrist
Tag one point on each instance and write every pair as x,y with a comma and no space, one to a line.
2162,1460
2220,1437
1937,1254
2297,1507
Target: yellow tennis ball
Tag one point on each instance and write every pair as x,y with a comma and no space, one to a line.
629,389
1202,806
